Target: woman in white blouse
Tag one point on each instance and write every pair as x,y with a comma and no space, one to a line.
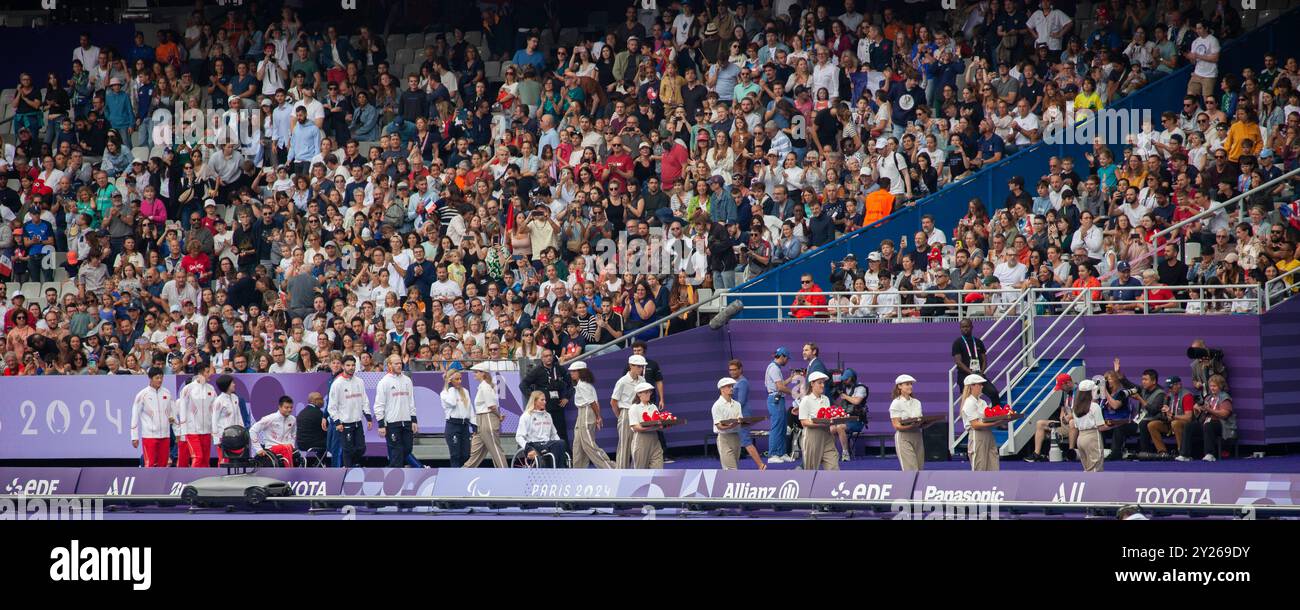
458,409
487,416
646,451
1087,419
981,447
585,449
818,445
907,436
1089,236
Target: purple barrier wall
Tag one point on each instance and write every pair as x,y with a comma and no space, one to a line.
90,417
693,361
1147,488
1279,348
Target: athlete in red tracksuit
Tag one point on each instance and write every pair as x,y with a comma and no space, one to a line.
194,417
277,433
152,414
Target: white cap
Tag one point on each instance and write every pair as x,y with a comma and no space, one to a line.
636,359
817,375
1087,386
644,387
725,381
209,201
904,379
578,366
973,379
482,367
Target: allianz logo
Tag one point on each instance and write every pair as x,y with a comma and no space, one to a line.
788,490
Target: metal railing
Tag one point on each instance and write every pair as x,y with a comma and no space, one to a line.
1215,209
1280,289
1070,350
1015,345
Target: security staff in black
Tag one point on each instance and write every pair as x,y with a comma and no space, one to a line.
553,381
395,410
311,425
969,355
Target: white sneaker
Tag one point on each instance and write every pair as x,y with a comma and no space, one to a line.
1183,458
844,457
1209,457
776,459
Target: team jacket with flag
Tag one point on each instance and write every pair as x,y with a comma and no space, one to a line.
194,408
348,400
395,400
225,413
274,429
150,412
535,427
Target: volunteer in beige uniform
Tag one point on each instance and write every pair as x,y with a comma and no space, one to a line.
724,408
646,452
621,401
907,437
818,445
585,449
980,445
1087,418
486,441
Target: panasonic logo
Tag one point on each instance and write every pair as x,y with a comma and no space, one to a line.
788,490
934,494
114,564
1173,495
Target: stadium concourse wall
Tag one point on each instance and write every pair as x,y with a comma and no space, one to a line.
990,185
1147,488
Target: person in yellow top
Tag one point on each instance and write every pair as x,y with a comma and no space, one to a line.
1088,99
1286,264
1244,137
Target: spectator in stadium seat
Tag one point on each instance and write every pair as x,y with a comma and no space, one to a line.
809,301
1125,300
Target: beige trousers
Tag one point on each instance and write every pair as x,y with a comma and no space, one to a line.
911,450
486,442
1090,451
983,450
729,450
819,450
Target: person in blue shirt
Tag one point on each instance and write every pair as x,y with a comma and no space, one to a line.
365,120
304,142
38,235
529,55
991,146
140,50
722,208
117,107
401,127
1125,299
1118,411
144,108
735,370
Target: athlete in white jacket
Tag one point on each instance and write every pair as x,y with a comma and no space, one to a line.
348,403
395,411
277,432
194,421
225,411
152,414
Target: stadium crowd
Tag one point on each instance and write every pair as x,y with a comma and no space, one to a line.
455,208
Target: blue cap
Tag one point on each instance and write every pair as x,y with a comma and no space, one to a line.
1122,266
781,351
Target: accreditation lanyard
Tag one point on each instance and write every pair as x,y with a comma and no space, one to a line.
971,353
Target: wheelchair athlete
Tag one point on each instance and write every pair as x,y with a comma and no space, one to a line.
537,436
275,437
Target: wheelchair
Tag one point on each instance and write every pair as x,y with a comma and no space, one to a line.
544,459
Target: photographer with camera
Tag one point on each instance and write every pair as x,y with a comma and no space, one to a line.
1213,420
1154,402
1118,412
1206,363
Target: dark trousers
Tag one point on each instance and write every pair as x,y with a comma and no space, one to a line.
1118,436
1144,439
399,440
458,437
555,448
1203,438
561,423
352,444
991,393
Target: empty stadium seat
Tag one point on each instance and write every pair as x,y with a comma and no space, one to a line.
493,70
394,42
430,38
68,287
403,57
12,288
139,152
32,290
415,41
475,38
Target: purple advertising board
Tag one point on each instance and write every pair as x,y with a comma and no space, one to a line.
379,482
89,417
557,483
39,481
170,481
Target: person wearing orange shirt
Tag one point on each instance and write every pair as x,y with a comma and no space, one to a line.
879,203
1087,279
1244,129
809,301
